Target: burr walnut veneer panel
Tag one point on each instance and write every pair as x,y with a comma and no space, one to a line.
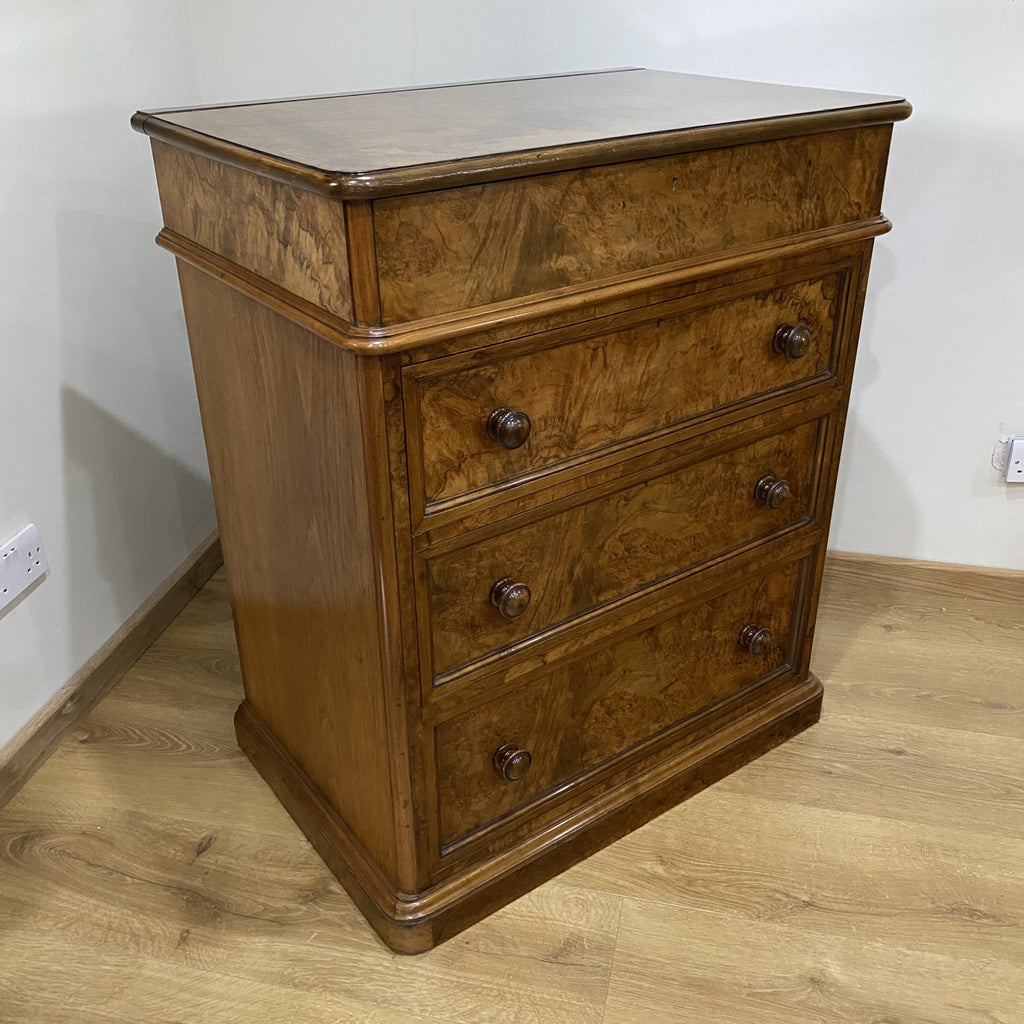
602,705
450,250
613,540
290,237
725,346
523,404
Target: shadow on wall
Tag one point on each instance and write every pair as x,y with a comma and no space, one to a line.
885,518
137,498
875,509
132,496
892,509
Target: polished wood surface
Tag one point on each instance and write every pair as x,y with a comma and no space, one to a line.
558,444
420,340
36,741
294,504
868,869
603,705
469,887
358,145
726,347
442,252
615,542
287,236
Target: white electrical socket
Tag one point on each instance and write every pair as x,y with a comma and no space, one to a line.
22,562
1015,460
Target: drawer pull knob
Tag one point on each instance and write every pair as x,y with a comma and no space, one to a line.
792,340
774,493
756,639
511,762
509,427
510,598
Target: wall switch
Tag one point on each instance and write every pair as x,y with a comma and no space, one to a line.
1015,460
22,562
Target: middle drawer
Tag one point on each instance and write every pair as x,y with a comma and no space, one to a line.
493,593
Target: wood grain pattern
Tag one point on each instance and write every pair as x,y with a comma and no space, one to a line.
421,340
668,363
600,706
451,250
508,669
360,145
601,469
167,890
791,976
34,743
289,237
634,295
937,578
614,542
295,505
362,263
416,922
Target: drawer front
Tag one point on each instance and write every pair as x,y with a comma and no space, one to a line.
459,248
586,394
581,715
600,549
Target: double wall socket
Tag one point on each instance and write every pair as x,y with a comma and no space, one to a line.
1015,460
22,562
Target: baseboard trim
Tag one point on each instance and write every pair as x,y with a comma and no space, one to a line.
26,752
944,579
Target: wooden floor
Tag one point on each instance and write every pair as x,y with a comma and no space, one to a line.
868,871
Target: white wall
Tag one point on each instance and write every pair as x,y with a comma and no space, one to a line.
100,437
941,371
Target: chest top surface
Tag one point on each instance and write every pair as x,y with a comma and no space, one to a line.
362,145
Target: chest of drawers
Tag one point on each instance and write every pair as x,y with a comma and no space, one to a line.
523,404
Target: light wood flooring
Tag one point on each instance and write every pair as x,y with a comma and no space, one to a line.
870,870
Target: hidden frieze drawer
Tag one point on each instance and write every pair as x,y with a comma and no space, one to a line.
465,247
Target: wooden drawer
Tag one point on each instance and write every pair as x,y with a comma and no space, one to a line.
460,248
630,534
609,701
667,363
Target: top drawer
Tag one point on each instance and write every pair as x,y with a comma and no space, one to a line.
669,363
462,248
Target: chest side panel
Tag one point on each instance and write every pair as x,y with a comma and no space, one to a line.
285,440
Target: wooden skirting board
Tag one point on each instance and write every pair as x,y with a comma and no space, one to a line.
27,751
937,578
24,754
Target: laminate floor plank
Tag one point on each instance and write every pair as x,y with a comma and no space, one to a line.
680,967
869,870
928,888
147,990
895,770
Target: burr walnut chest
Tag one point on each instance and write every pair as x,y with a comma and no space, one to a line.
523,403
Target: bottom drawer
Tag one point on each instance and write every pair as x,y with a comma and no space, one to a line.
578,716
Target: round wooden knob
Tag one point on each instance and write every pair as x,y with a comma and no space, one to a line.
511,762
774,493
792,340
509,427
756,639
510,598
